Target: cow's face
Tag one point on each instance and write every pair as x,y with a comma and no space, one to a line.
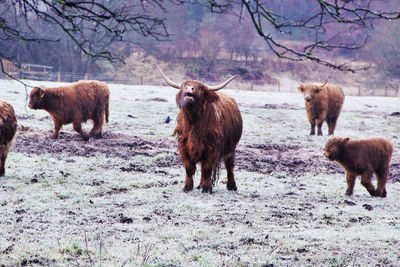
36,98
309,91
194,94
334,147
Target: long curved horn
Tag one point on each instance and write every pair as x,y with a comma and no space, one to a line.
167,80
326,81
222,85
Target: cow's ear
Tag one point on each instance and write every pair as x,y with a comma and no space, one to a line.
41,93
301,88
178,98
211,96
345,140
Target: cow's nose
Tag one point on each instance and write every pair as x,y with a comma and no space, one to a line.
307,98
189,89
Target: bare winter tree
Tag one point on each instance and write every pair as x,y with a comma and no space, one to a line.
321,31
89,24
327,28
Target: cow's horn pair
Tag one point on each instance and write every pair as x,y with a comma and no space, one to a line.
211,88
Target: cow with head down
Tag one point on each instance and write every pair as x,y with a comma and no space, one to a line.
74,103
323,103
208,129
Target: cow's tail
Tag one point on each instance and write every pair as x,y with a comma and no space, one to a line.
215,173
107,111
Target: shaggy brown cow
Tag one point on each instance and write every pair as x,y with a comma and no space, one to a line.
209,128
8,127
75,103
362,157
323,102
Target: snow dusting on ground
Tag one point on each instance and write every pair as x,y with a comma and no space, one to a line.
118,201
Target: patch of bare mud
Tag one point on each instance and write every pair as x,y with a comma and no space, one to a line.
35,141
279,158
267,158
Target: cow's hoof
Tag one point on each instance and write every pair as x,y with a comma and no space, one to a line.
231,187
96,136
348,193
207,190
187,189
374,193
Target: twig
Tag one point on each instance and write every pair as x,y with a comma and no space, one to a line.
76,260
126,261
354,261
87,251
101,246
12,77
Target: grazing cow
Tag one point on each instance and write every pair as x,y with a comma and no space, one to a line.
323,103
75,103
209,128
362,157
8,127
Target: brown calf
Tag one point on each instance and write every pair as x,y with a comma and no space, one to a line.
75,103
362,157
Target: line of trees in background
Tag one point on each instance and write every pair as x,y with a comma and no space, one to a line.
208,44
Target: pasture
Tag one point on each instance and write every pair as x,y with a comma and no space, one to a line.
118,201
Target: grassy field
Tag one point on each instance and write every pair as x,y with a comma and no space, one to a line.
118,201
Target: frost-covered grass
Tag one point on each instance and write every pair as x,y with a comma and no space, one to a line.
119,200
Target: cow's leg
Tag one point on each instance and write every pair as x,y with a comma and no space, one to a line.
351,179
229,165
382,176
3,158
366,182
57,127
331,124
78,127
206,182
190,168
320,121
97,126
312,122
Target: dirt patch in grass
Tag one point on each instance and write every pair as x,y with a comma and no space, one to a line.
35,141
260,158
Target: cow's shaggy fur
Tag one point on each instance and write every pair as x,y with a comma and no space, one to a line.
8,127
323,103
362,157
75,103
209,128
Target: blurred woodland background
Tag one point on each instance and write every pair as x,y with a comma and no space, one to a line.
272,45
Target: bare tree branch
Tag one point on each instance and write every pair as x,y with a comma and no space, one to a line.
329,21
77,19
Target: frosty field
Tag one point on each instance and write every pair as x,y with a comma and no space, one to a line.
118,201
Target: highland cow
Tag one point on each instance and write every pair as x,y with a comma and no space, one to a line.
8,127
208,130
75,103
323,103
362,157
